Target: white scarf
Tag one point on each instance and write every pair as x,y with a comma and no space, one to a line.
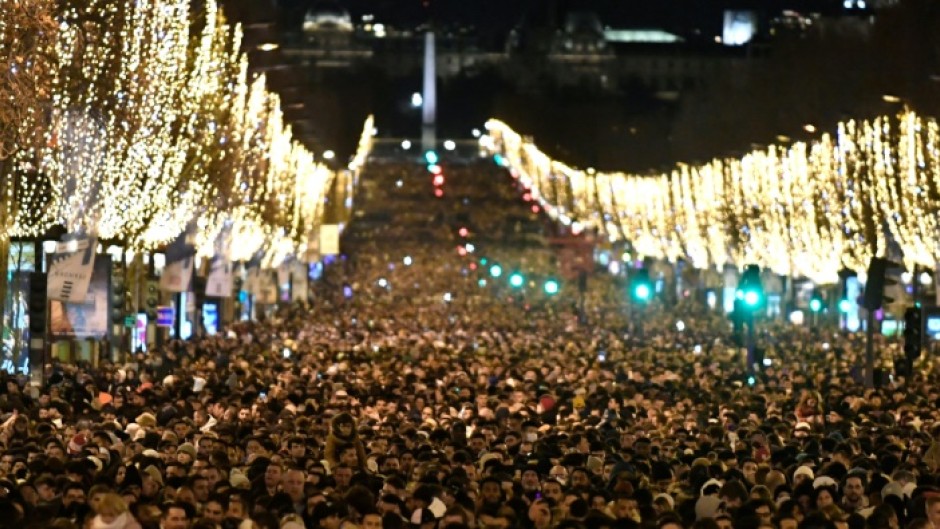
118,523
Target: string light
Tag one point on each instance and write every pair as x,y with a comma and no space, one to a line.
152,126
800,210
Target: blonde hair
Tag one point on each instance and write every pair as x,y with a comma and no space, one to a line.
111,503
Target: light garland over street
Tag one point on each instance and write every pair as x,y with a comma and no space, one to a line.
803,210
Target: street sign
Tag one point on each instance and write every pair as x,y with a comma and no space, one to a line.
165,316
130,321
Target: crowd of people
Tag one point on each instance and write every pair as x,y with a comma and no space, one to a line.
421,397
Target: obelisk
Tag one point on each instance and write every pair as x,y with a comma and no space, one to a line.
429,108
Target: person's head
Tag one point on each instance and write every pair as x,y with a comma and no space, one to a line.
371,520
825,496
294,484
215,508
237,506
46,487
854,487
455,515
273,475
933,510
342,476
625,506
723,521
670,521
552,489
110,506
540,513
175,516
72,494
491,491
95,495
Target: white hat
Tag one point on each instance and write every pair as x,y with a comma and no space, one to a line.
97,462
709,483
804,471
707,507
824,481
668,498
892,488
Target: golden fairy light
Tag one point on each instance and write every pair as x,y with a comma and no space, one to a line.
154,123
804,210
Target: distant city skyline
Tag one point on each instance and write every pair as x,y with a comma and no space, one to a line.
500,16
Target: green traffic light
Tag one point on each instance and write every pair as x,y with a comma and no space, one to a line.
642,292
551,287
496,270
751,298
815,304
844,305
516,280
431,157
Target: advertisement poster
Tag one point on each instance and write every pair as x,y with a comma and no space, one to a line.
329,239
266,288
221,279
90,318
71,269
299,284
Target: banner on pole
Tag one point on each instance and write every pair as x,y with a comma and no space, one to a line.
299,281
71,269
266,288
177,276
221,278
312,253
178,272
329,239
87,317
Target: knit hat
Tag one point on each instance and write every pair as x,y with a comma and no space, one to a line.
707,507
804,471
76,444
146,420
238,479
187,448
99,465
154,474
709,483
668,498
824,481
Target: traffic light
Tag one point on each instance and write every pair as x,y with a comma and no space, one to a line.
751,290
153,297
816,303
874,297
641,288
38,304
118,300
913,333
516,280
431,157
845,306
551,287
496,270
